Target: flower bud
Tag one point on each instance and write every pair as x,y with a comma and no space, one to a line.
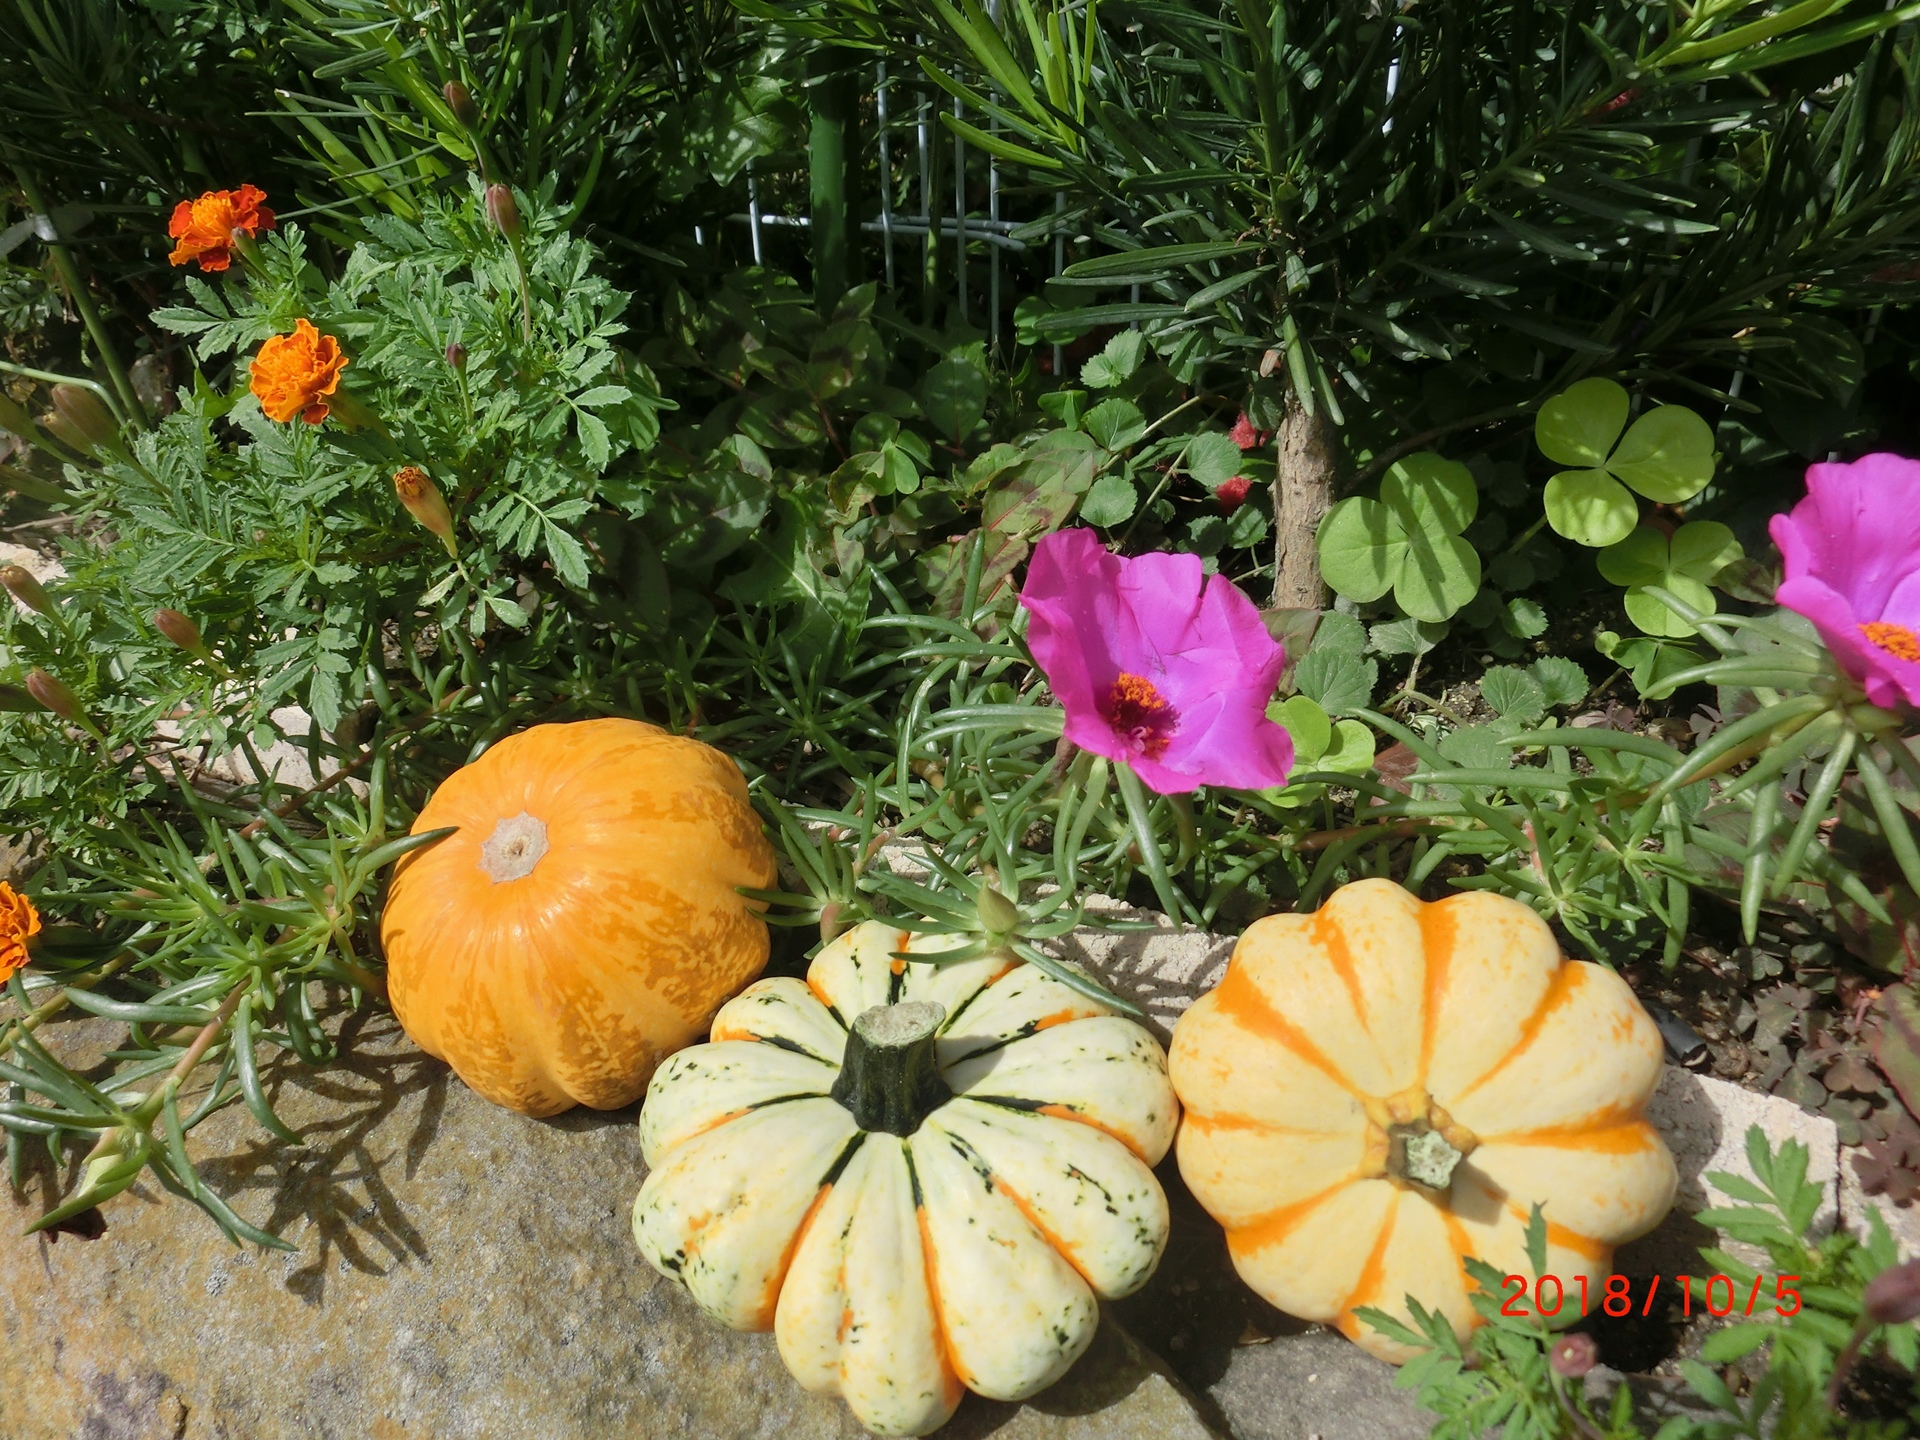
998,915
24,588
1893,1296
54,695
456,355
1573,1355
180,630
425,502
460,101
64,430
502,211
89,417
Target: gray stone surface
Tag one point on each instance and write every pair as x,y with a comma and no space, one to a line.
460,1272
1161,968
1317,1386
1705,1123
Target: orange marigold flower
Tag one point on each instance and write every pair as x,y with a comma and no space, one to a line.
205,229
294,374
19,923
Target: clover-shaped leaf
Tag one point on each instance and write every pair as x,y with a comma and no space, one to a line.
1320,743
1408,541
1666,455
1682,565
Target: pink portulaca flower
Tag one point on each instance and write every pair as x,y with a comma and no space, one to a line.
1157,665
1852,552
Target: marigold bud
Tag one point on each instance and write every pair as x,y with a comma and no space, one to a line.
180,630
54,695
456,355
64,430
1893,1296
460,101
24,588
87,414
503,211
1573,1355
425,502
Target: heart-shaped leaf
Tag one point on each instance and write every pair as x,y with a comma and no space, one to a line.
1407,541
1308,726
1362,548
1427,492
1682,565
1437,577
1666,456
1590,507
1579,425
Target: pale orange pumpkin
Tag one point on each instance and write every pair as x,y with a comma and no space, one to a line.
1384,1087
583,922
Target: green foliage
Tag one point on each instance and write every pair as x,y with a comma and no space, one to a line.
1502,1374
1408,541
1666,455
1683,563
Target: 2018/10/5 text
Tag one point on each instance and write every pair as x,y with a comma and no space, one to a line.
1720,1295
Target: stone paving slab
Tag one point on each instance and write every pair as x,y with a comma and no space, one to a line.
462,1273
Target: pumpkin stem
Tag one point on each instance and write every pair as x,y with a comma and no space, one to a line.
890,1076
1422,1156
514,848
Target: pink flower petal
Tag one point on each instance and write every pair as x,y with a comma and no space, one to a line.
1852,558
1198,641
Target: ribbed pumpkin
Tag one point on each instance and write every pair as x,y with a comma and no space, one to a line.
583,920
918,1176
1382,1088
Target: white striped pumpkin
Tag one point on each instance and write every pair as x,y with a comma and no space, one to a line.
965,1246
1338,1036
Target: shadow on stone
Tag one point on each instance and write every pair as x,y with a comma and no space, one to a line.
334,1181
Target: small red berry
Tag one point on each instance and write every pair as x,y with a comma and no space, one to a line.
1232,494
1244,435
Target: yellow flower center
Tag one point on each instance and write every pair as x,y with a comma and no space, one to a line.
1140,715
1897,640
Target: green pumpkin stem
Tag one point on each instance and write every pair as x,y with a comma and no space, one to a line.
890,1077
1421,1155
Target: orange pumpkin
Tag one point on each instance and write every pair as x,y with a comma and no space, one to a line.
1383,1088
583,922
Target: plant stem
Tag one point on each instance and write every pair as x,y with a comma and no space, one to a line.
191,1056
1307,452
82,300
33,1019
1151,859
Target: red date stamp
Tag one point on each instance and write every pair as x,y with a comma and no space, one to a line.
1719,1294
